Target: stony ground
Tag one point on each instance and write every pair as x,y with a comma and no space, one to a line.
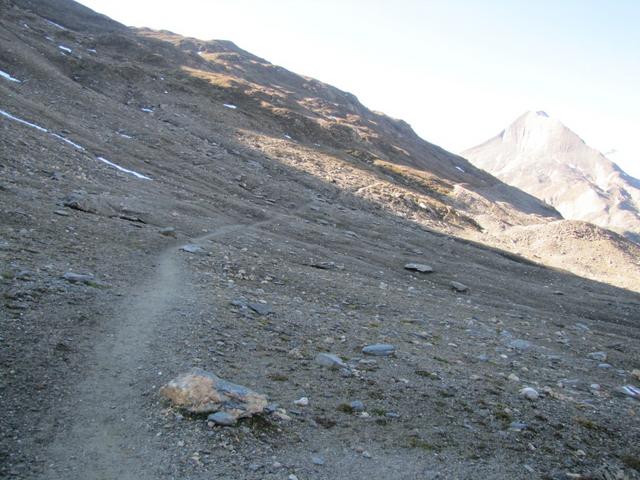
83,358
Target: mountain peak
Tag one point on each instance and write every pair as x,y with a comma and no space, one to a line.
545,158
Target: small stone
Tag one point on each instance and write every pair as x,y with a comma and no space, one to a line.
418,267
594,386
302,402
520,345
458,287
222,418
599,356
518,426
78,277
379,349
62,213
168,232
635,373
324,265
317,460
292,477
630,391
281,416
392,415
260,308
330,360
604,366
366,454
295,353
357,406
513,377
192,248
529,393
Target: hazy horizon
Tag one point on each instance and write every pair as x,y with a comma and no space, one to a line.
458,72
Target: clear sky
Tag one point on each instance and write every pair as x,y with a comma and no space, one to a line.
457,71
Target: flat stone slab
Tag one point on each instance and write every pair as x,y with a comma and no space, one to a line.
192,248
78,277
458,287
260,308
419,267
379,349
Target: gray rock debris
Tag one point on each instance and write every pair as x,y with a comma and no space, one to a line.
630,391
79,277
222,418
260,308
419,267
324,265
599,356
330,360
530,393
379,349
168,232
199,391
520,345
192,248
458,287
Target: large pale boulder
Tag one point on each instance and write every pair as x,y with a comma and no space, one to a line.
199,391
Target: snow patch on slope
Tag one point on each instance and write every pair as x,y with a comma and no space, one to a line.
73,144
122,169
6,76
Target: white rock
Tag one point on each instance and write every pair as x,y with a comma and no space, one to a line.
530,393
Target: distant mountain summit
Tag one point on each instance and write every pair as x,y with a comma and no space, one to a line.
540,155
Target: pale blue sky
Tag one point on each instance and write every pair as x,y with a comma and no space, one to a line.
457,71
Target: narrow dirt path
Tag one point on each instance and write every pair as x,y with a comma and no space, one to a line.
109,438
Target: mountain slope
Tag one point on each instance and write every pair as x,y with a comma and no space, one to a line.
148,226
543,157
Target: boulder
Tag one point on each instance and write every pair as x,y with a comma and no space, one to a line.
199,391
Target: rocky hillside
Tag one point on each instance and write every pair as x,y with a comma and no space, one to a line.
356,301
543,157
308,125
